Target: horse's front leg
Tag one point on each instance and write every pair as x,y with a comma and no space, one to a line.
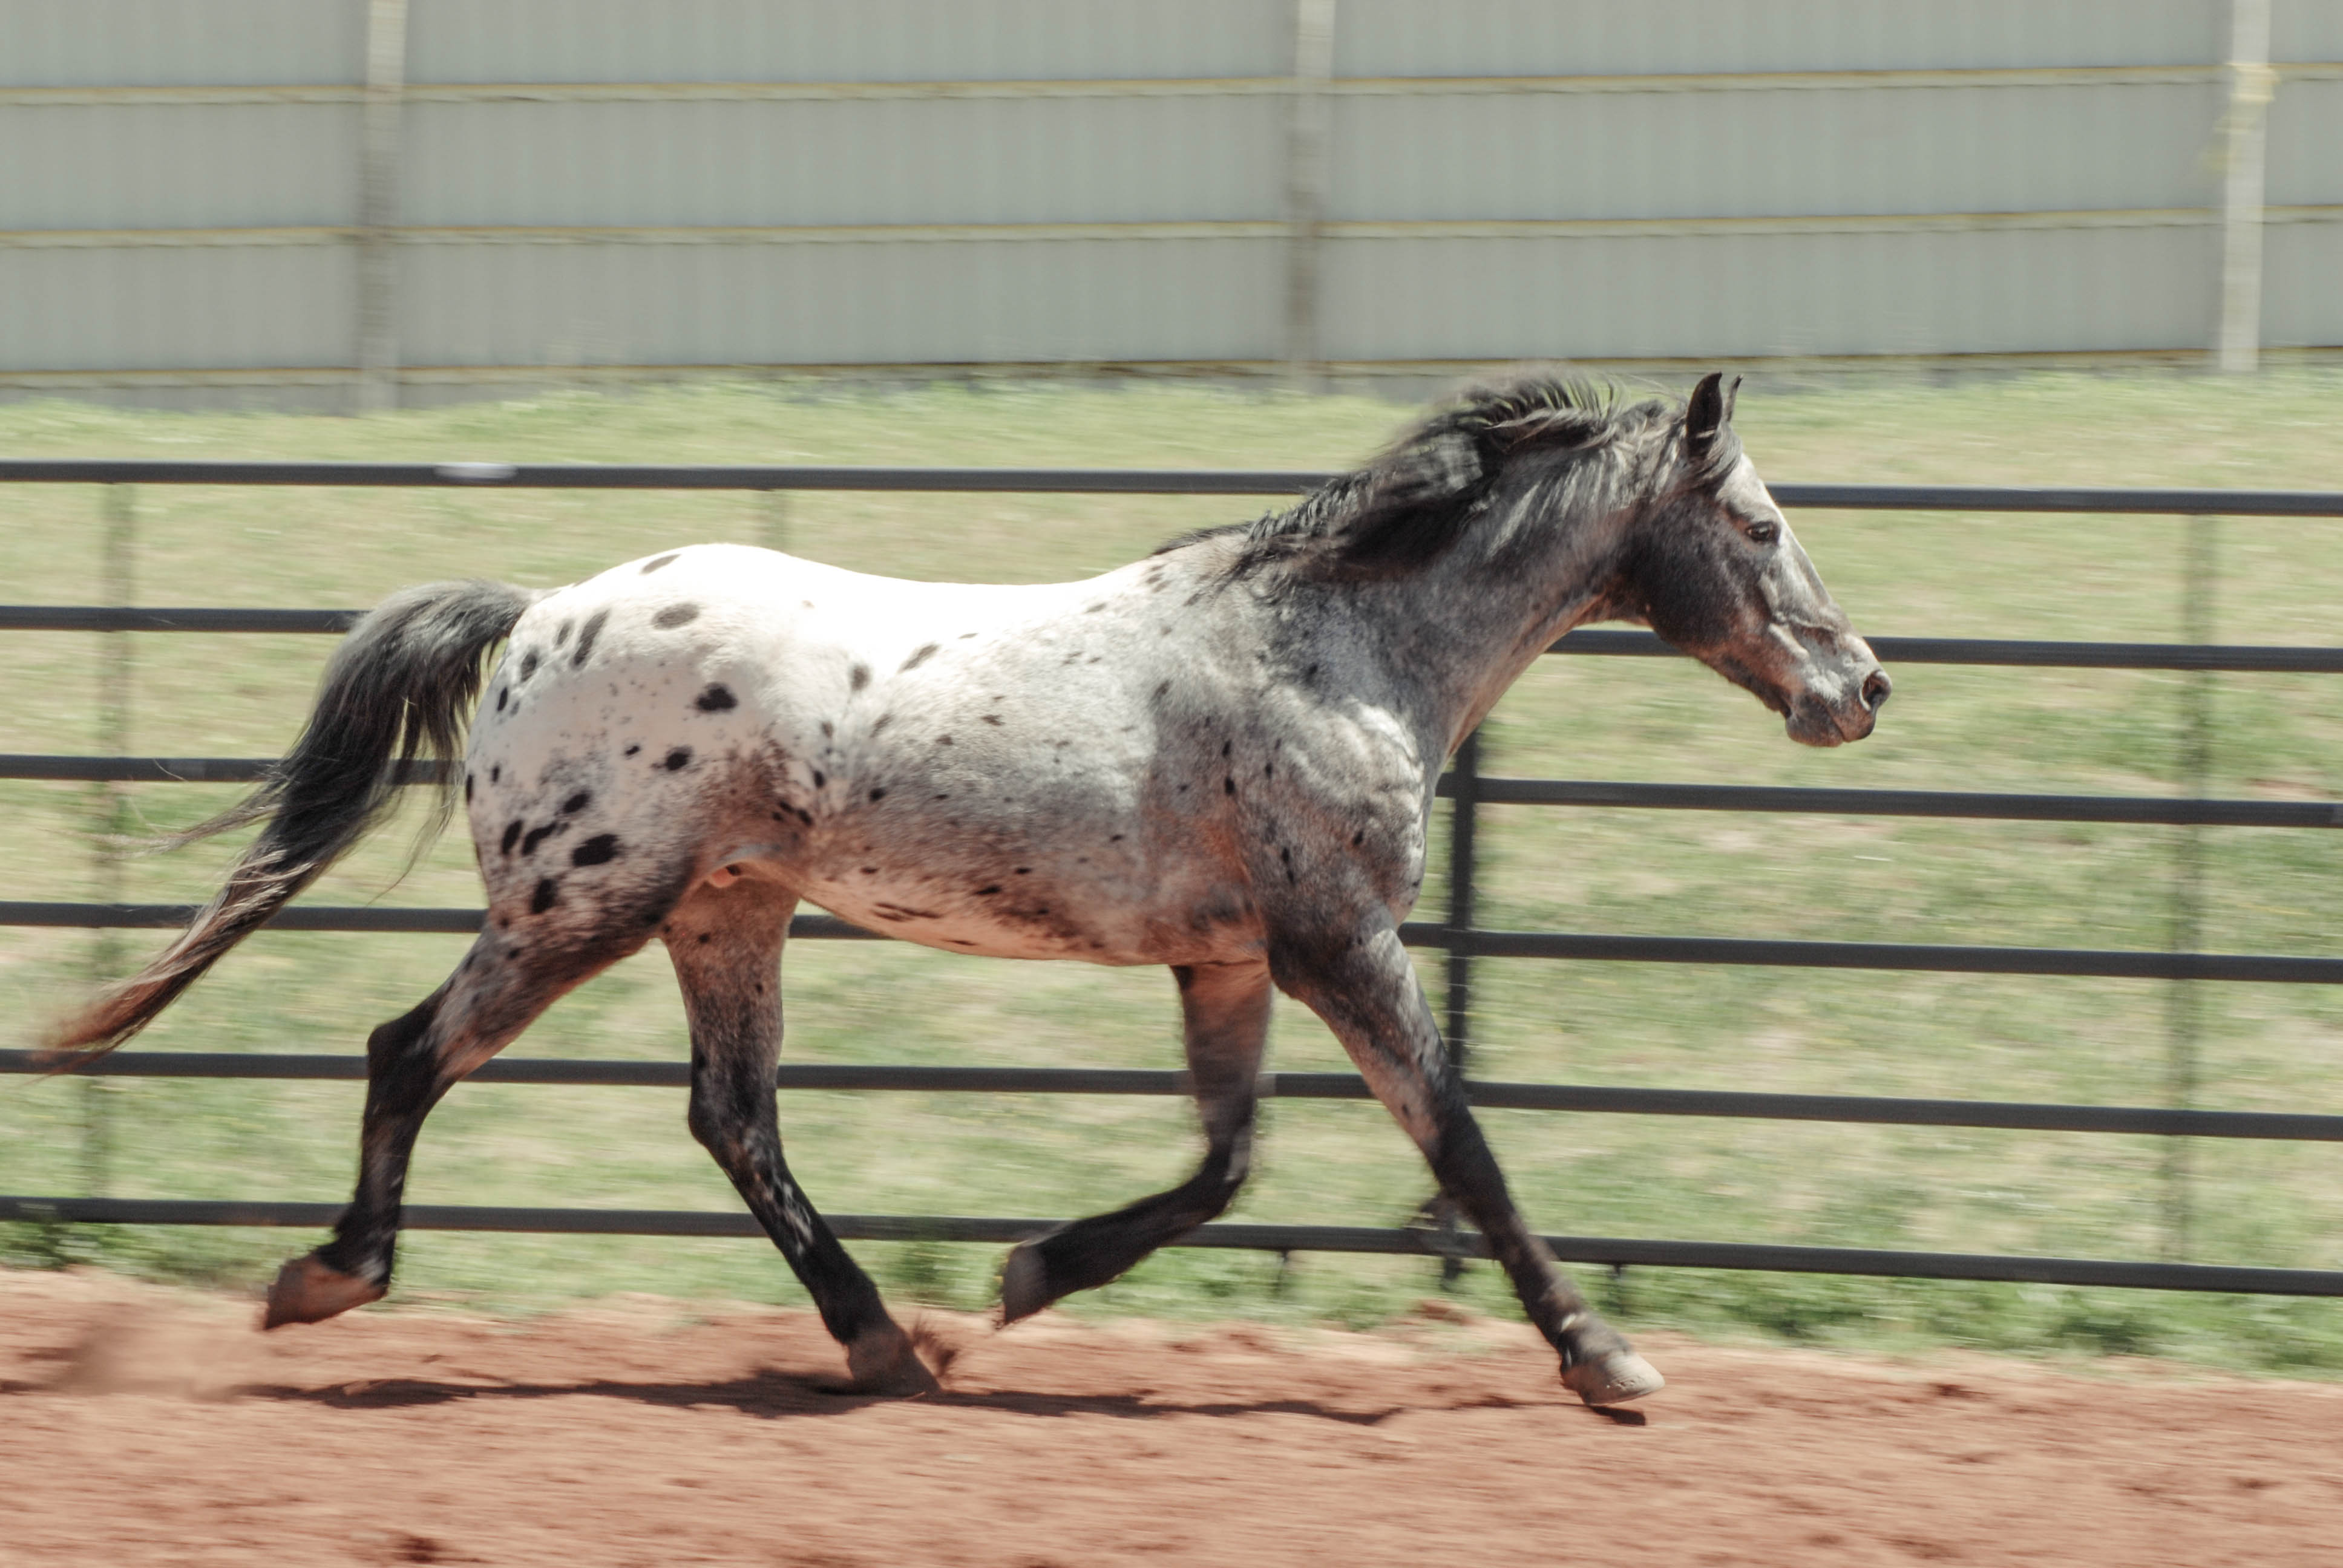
1361,983
726,946
1224,1009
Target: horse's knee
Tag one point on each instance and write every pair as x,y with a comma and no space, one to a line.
710,1126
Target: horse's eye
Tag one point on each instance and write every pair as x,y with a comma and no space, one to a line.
1764,533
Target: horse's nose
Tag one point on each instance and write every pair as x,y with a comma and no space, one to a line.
1876,689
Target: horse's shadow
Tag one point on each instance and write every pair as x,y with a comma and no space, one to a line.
778,1396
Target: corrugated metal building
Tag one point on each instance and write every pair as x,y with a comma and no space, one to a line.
308,202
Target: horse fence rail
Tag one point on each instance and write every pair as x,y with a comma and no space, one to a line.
1457,935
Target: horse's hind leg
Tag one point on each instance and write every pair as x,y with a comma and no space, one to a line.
1366,990
1225,1012
727,948
500,986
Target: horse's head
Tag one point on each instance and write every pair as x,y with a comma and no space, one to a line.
1711,564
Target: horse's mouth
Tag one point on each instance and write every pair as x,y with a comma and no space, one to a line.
1758,686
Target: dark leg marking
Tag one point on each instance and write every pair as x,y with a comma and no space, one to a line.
411,1062
1225,1010
726,945
1366,990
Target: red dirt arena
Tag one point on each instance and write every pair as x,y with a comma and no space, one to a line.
142,1426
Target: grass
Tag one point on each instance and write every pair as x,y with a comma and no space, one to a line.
2262,1047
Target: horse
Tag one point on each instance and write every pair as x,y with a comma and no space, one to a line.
1219,759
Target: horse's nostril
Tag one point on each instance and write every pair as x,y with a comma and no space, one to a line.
1877,688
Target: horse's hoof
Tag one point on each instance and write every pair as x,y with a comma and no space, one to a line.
307,1291
885,1362
1612,1378
1024,1283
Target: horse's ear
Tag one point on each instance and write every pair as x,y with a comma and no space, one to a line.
1705,414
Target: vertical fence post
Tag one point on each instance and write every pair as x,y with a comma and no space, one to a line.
773,519
1465,803
2243,142
118,584
1305,185
2184,1022
379,178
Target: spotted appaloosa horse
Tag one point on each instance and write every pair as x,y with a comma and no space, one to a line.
1219,759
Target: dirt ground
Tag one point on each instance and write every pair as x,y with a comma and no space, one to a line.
142,1426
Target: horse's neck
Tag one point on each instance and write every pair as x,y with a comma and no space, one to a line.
1486,611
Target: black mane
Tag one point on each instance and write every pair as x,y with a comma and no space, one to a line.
1414,500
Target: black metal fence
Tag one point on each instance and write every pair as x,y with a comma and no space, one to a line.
1463,942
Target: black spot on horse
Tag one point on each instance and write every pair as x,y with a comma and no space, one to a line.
512,837
632,750
1224,746
502,698
599,850
993,720
495,772
1228,786
577,803
656,562
717,698
538,836
467,788
877,795
561,637
529,664
676,615
545,896
859,677
679,757
882,722
819,780
1161,687
594,624
1269,769
987,892
920,657
943,740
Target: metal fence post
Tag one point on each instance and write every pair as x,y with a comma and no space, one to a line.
111,817
378,177
1307,131
1465,803
2184,1022
773,519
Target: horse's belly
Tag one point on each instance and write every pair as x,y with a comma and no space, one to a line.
1036,922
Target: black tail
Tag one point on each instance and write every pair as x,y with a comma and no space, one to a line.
399,688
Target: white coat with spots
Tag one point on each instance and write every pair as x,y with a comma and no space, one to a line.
1219,759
